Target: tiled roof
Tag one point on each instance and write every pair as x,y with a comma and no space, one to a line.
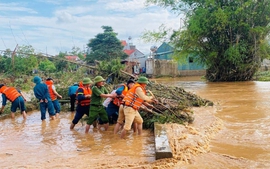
129,52
72,57
124,43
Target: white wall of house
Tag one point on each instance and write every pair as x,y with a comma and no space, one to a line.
150,67
138,56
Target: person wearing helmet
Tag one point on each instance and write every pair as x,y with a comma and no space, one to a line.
15,97
121,92
83,95
133,100
97,110
41,92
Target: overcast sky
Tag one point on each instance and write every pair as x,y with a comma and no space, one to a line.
51,26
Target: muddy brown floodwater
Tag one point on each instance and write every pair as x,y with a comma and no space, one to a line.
235,134
244,108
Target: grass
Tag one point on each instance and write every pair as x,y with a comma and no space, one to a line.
262,76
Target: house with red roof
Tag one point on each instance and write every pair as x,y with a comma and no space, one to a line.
72,58
134,55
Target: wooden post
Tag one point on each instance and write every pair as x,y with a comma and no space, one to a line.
13,54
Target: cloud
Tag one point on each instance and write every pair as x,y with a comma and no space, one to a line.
53,2
74,25
15,7
76,10
64,17
125,6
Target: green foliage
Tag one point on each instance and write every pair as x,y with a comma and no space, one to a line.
105,46
166,117
60,63
24,64
47,66
113,68
5,63
21,62
262,76
228,36
160,35
25,51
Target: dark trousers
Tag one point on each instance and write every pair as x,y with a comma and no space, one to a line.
72,102
44,106
80,112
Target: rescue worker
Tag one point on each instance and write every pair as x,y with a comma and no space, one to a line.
133,100
121,92
83,95
15,97
72,95
41,92
97,110
53,94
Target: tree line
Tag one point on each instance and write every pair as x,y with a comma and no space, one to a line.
229,37
105,47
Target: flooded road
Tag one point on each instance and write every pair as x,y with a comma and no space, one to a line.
50,144
244,108
243,141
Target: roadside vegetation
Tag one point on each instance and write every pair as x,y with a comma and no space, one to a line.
230,38
262,76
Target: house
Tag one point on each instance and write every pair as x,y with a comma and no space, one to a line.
73,58
162,63
164,51
134,55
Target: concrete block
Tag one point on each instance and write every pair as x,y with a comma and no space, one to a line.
162,146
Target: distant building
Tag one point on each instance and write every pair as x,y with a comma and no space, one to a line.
165,51
134,55
73,58
162,63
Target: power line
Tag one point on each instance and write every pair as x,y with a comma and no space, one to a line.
25,37
12,33
73,41
4,43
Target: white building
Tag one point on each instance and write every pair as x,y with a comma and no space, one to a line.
134,55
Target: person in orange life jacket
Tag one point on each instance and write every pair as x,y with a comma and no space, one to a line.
53,94
132,102
41,92
96,108
84,94
16,98
121,92
113,106
72,95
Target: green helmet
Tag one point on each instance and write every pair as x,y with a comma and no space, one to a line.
143,79
99,79
87,80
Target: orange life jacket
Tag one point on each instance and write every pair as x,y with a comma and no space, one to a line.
131,99
119,100
10,92
49,83
86,91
